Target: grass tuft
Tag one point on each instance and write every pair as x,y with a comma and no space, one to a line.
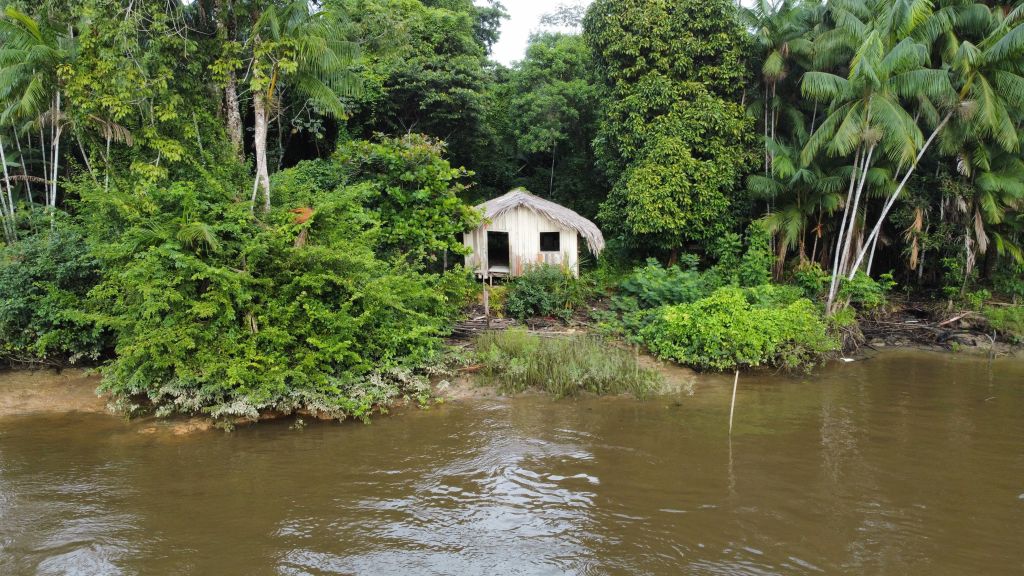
563,366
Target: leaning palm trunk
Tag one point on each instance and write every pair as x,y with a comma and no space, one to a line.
262,183
892,199
871,259
852,226
842,231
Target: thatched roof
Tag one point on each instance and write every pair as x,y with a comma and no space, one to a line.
564,216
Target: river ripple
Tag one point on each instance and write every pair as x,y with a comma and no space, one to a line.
908,463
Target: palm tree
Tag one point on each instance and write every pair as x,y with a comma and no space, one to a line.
30,91
803,195
297,46
866,111
782,36
989,90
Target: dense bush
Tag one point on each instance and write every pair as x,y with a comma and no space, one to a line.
44,279
1009,280
545,290
812,279
865,292
772,295
725,331
406,187
218,310
654,285
518,360
755,267
1007,320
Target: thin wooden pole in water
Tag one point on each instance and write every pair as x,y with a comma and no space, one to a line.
732,407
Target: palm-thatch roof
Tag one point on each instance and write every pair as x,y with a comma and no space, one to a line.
519,197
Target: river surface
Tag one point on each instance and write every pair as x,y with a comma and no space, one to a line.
907,463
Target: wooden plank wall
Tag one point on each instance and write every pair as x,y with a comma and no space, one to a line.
524,227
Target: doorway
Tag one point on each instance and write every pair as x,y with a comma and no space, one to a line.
497,252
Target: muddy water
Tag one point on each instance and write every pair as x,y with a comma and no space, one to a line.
902,464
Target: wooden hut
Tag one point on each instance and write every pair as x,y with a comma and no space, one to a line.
521,229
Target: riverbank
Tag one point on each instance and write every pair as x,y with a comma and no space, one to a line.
25,392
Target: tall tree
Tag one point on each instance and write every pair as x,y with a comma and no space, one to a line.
31,93
674,137
552,101
305,48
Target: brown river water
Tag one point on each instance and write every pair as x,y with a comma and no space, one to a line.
906,463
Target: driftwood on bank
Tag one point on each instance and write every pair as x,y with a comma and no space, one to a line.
471,327
918,325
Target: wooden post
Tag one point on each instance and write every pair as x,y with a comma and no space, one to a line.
732,407
487,305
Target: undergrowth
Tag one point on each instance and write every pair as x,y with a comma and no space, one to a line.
517,360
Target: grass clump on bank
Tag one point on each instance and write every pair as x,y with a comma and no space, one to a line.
517,360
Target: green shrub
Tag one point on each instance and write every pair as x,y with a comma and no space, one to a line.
955,276
755,268
219,311
772,295
545,290
865,292
1007,320
654,285
497,300
975,299
725,331
518,360
1008,279
812,279
408,189
44,279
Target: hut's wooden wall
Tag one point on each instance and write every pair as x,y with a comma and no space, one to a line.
524,227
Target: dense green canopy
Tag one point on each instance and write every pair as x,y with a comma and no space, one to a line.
237,205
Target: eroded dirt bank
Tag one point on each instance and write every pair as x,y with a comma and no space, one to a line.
47,391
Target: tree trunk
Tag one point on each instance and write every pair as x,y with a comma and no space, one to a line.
46,167
234,116
7,202
856,205
817,235
24,171
892,199
767,163
842,232
225,18
262,183
55,163
871,259
780,259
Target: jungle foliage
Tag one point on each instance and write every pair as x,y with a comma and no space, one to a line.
245,206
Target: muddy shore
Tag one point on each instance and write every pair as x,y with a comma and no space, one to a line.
45,391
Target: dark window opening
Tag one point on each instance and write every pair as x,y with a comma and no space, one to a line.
497,249
550,242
